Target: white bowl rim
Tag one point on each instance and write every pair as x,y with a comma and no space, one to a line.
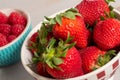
32,73
24,31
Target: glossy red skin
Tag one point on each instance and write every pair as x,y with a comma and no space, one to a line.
77,29
106,34
41,69
89,56
33,39
91,10
71,67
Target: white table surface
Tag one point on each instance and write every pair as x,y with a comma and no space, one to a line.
37,9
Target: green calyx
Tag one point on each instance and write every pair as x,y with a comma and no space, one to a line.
54,52
102,60
108,1
70,13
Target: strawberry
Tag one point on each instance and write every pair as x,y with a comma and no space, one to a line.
71,21
94,58
17,18
106,34
41,70
17,29
3,18
66,68
92,10
5,29
10,38
3,40
64,57
59,57
32,43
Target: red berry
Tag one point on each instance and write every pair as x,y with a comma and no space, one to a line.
90,56
41,69
71,66
5,29
17,18
11,38
106,34
3,18
34,37
91,10
17,29
33,40
3,40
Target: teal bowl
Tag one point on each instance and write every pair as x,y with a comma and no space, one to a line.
10,53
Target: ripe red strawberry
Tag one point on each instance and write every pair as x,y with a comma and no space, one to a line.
17,18
106,34
91,10
17,29
71,66
3,18
5,29
64,57
10,38
59,58
3,40
32,43
94,58
76,27
41,69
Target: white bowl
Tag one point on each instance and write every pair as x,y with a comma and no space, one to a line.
10,53
103,73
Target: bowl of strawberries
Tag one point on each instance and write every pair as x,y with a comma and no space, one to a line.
14,27
79,43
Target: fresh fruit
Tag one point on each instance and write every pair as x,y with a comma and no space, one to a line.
32,43
71,21
5,29
11,26
107,34
59,57
17,29
3,18
92,10
10,38
64,48
41,69
3,40
94,58
63,58
17,18
66,68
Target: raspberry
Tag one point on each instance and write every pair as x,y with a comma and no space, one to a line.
3,40
17,29
5,29
17,18
3,18
11,38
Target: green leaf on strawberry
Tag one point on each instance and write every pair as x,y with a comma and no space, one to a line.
108,1
70,13
102,60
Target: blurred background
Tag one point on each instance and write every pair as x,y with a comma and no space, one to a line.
37,10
